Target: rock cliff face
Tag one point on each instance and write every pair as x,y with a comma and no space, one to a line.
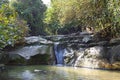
32,52
81,50
92,54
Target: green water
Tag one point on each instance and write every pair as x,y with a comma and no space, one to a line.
57,73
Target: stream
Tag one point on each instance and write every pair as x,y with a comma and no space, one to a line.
44,72
39,54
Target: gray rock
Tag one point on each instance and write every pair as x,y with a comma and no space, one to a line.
114,41
86,38
103,43
24,54
16,59
115,53
69,57
92,57
2,67
37,39
28,51
32,39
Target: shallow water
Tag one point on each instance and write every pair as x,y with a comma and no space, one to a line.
57,73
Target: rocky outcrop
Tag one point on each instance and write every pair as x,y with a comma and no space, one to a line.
31,55
83,51
40,59
36,50
93,57
15,59
37,40
101,55
69,57
3,57
2,61
2,67
80,50
115,57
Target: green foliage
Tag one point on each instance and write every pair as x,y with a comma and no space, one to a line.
99,14
33,12
12,29
67,13
3,2
51,20
114,11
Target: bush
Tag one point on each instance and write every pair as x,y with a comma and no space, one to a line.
12,29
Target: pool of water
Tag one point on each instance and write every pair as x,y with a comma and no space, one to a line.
57,73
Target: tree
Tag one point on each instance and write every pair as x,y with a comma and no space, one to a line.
33,12
12,29
114,17
51,20
3,2
102,15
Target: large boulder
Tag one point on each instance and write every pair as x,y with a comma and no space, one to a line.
26,54
16,59
69,57
114,42
3,57
12,59
37,40
40,59
93,57
2,67
33,39
115,57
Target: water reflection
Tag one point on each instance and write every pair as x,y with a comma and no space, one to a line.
57,73
27,75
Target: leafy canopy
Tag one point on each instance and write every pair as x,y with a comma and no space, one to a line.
33,12
99,14
12,29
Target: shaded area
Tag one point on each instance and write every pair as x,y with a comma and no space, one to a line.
39,59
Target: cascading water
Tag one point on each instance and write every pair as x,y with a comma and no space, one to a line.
59,52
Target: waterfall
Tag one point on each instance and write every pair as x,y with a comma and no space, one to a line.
59,52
